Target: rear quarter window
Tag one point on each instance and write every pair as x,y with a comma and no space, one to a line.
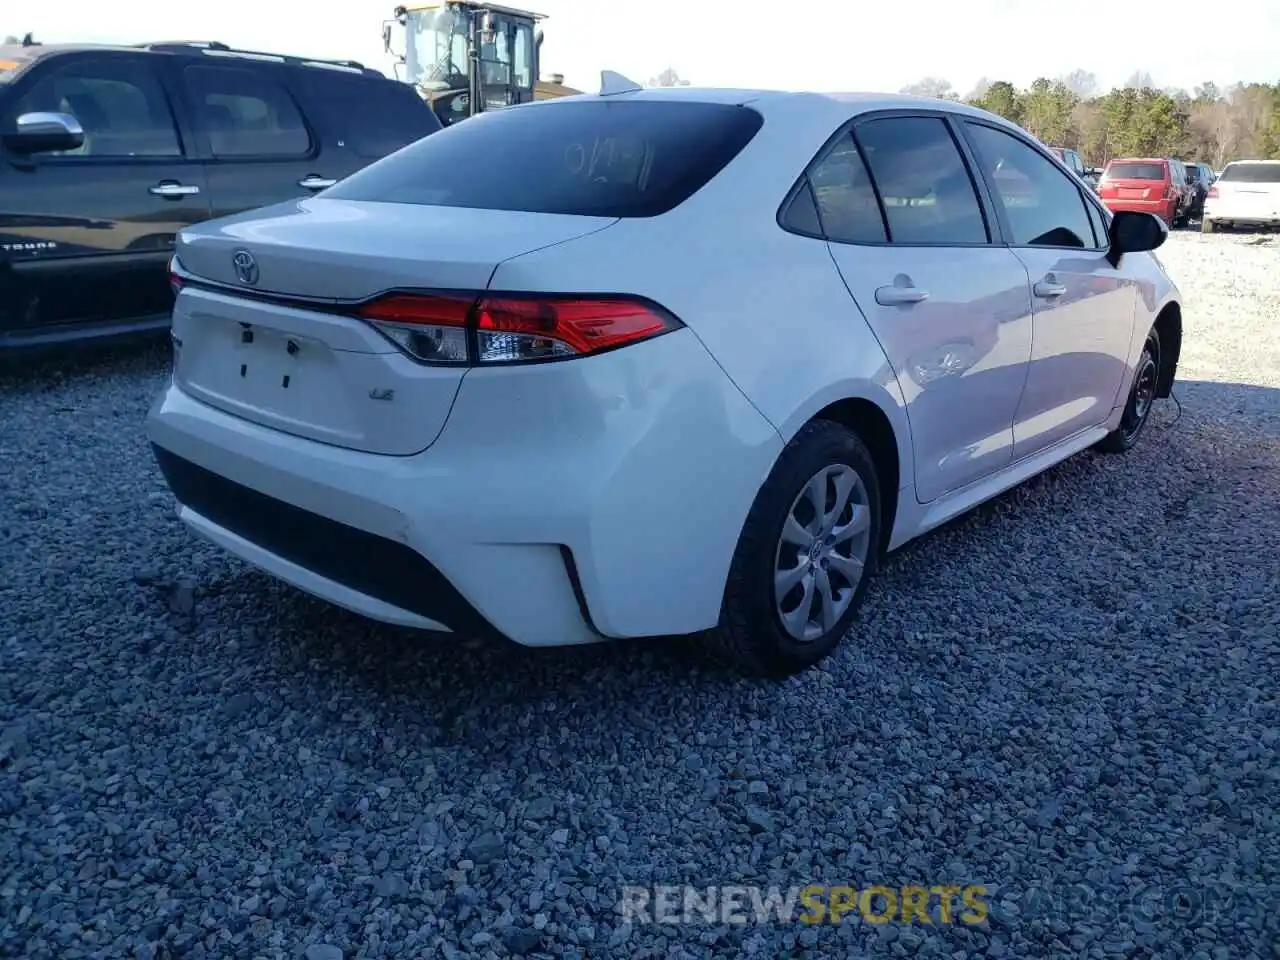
636,158
1135,171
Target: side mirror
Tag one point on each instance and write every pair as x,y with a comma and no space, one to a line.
42,132
1133,232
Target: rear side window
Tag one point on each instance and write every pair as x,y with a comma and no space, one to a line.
587,158
801,215
927,193
1125,170
246,113
118,102
372,117
846,199
1251,173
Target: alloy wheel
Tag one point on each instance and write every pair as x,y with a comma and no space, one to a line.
822,552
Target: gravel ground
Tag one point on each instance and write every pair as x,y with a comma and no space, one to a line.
1068,696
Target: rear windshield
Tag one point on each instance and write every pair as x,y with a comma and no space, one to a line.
1135,171
1251,173
589,158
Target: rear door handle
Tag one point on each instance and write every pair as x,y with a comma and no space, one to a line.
171,189
1049,287
316,183
896,296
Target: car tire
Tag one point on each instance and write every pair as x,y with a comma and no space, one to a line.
776,619
1206,226
1142,397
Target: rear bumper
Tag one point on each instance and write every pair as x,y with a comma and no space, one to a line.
372,575
562,503
1244,216
1164,209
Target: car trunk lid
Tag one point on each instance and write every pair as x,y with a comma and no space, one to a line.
265,326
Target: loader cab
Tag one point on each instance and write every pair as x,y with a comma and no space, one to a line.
467,57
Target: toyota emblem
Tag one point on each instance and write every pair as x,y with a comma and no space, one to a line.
245,266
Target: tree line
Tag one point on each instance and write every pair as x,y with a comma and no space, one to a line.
1209,124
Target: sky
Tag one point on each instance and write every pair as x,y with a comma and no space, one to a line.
823,45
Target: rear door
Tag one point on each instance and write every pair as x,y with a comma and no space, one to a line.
1083,306
85,234
909,232
258,146
360,119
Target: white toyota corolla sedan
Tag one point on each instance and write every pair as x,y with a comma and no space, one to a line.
653,362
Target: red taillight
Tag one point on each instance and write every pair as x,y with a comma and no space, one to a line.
428,328
452,328
175,278
1213,192
581,326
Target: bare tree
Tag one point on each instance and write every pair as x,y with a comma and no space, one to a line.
1208,91
979,90
1140,80
668,78
1082,83
931,87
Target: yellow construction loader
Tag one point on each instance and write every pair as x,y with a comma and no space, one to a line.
467,56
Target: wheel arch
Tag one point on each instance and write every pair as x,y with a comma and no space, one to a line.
1168,326
879,419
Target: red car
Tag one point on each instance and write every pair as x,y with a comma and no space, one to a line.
1148,186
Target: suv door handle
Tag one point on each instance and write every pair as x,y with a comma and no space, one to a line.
896,296
1049,287
316,183
171,189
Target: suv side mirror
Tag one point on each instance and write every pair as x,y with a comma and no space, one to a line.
42,132
1133,232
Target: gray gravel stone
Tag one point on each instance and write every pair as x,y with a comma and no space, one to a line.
1069,695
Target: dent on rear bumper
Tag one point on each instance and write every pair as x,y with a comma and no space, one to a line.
643,463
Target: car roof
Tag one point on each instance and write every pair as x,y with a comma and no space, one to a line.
867,100
1139,160
23,57
820,107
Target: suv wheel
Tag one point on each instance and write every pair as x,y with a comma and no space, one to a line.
805,555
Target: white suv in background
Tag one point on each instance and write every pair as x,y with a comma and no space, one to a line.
1246,194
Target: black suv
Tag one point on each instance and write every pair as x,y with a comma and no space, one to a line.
107,152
